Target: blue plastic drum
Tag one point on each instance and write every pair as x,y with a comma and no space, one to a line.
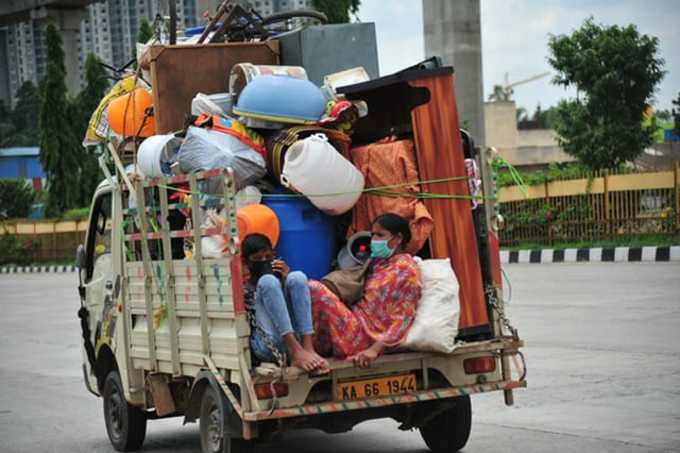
307,238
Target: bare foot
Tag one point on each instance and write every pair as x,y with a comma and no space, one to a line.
306,360
322,365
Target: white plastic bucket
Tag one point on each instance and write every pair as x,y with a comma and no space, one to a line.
154,151
316,169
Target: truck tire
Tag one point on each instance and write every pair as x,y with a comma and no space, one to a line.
449,431
125,424
215,437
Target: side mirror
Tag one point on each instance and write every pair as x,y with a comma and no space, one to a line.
80,257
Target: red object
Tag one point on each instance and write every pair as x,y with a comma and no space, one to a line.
495,259
266,390
237,285
479,365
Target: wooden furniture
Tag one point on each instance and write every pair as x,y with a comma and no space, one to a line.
178,73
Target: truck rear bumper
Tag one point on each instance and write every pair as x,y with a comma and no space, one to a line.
340,406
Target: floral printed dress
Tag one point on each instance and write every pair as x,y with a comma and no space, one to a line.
385,313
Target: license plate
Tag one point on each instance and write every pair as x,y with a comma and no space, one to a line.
373,388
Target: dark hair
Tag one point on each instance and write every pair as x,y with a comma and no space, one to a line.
254,243
395,224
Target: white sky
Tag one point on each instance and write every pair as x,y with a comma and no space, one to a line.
515,36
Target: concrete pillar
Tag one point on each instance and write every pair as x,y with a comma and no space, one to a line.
68,23
452,31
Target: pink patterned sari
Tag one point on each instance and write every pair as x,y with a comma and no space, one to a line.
385,313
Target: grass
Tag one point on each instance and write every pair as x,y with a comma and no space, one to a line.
660,240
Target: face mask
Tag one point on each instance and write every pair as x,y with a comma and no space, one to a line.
380,249
260,268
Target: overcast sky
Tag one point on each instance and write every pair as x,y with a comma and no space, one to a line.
515,35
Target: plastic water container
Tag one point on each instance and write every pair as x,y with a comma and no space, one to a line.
258,218
307,241
315,168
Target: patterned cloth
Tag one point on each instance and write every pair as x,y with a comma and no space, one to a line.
385,313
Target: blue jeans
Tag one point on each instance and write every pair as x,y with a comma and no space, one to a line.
280,311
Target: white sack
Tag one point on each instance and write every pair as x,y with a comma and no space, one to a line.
436,324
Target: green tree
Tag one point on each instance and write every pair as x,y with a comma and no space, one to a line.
145,32
521,114
7,129
59,149
663,115
337,11
615,71
16,198
544,119
19,127
26,111
499,94
676,116
86,102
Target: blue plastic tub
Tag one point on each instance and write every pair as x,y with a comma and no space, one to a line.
307,239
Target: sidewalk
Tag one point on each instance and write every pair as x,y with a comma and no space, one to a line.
599,254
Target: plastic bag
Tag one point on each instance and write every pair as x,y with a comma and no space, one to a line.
247,196
212,104
98,126
436,324
205,149
214,246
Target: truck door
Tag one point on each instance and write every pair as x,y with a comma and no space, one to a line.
98,275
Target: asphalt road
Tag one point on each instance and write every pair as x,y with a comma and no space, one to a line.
603,351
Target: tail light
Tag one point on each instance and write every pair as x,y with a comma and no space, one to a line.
479,365
267,390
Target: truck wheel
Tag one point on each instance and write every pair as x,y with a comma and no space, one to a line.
125,424
449,431
215,437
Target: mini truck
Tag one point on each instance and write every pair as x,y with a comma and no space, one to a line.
167,336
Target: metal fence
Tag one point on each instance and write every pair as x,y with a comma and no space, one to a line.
44,241
600,206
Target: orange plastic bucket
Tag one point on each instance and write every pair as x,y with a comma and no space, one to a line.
258,218
128,113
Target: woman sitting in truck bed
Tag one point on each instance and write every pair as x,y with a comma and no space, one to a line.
382,317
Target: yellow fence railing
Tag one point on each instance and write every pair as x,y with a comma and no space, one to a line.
47,240
604,206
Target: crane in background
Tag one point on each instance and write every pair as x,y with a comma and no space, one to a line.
503,93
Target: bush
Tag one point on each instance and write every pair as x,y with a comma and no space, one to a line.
15,251
16,198
76,214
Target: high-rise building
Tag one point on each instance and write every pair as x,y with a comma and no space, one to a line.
108,29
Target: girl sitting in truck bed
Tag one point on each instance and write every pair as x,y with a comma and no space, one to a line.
278,301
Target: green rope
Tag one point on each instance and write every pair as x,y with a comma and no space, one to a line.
515,175
379,191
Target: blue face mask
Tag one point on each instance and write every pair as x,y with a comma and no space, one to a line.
380,249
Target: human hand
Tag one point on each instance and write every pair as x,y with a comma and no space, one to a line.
281,268
365,358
